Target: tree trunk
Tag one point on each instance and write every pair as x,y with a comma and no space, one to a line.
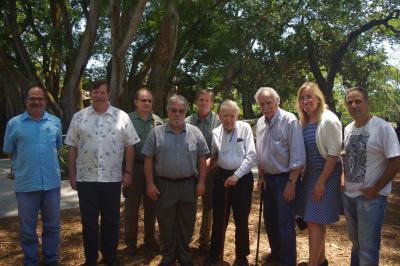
123,31
162,56
326,84
71,98
247,104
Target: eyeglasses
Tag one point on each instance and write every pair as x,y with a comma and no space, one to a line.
306,98
175,110
145,100
357,102
35,99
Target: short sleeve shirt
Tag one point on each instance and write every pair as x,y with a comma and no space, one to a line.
206,126
143,128
367,153
175,155
34,145
100,140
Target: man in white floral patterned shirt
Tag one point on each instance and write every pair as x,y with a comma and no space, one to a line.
97,139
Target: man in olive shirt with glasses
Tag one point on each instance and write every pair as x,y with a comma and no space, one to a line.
143,120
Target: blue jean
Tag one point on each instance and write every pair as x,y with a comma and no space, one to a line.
364,219
29,204
279,218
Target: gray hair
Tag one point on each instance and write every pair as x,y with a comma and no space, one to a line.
177,99
229,105
267,90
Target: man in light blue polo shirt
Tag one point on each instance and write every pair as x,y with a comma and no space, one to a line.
32,141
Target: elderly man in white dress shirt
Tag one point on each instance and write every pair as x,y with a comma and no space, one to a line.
97,138
234,153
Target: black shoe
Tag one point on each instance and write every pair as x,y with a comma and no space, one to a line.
187,263
131,250
324,263
271,258
153,246
301,224
241,261
211,262
114,262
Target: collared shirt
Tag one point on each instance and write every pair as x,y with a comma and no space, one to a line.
175,154
280,143
235,149
206,126
34,145
100,139
143,128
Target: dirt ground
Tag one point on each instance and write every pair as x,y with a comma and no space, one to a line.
337,244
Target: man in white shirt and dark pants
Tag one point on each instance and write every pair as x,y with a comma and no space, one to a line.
97,139
233,151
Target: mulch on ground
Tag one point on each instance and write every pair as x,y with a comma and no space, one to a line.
337,245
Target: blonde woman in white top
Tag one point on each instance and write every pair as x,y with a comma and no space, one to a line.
319,201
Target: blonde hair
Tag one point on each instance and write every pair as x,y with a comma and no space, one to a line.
303,116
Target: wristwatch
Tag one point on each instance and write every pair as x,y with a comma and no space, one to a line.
292,181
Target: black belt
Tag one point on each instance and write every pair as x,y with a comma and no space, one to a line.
226,171
177,179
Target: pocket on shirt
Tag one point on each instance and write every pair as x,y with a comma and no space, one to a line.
191,148
50,134
240,149
279,152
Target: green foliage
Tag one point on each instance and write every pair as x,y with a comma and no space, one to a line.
63,160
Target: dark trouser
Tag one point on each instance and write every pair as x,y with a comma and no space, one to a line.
279,218
100,198
206,214
176,214
135,193
239,198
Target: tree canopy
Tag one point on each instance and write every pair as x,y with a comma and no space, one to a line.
233,47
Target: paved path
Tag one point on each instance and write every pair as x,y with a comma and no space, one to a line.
8,202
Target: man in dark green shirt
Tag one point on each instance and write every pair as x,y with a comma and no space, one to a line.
206,121
143,120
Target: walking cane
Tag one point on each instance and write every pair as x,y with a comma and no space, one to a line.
259,224
223,225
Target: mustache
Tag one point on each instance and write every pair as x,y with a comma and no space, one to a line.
35,105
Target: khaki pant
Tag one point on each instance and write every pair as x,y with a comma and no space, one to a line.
135,193
206,214
176,213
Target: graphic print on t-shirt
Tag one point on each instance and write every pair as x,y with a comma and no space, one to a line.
356,158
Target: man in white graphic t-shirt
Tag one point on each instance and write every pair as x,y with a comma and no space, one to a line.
372,158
